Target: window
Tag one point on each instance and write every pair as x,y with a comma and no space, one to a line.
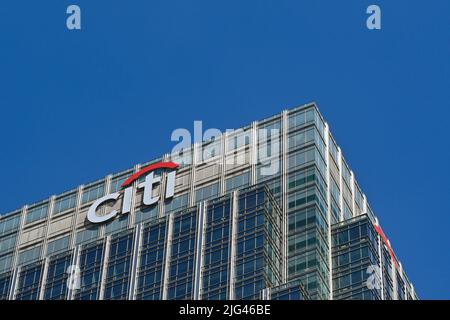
304,117
92,193
176,203
335,193
210,149
300,158
333,149
145,214
343,259
149,283
297,119
346,175
347,212
370,213
207,172
355,255
118,224
7,243
354,233
5,283
273,125
299,264
302,242
182,256
301,138
300,198
90,271
343,237
238,139
58,245
9,224
119,265
116,182
5,263
57,276
305,218
344,281
65,203
182,157
29,283
268,147
237,181
37,213
29,255
206,192
335,212
358,197
300,179
268,168
86,235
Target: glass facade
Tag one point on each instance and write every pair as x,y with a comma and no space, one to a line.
90,264
29,284
57,276
5,286
180,279
152,263
293,290
119,267
258,241
355,248
217,250
271,210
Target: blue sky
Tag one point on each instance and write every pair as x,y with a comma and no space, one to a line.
78,105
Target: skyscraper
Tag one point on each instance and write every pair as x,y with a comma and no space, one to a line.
268,211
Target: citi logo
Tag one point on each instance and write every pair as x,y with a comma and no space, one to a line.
146,185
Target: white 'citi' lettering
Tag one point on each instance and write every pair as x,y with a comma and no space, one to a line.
148,184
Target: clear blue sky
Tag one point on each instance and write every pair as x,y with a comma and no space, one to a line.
78,105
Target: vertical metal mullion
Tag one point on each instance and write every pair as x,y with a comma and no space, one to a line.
352,182
14,283
394,280
199,244
194,151
265,294
43,279
284,188
15,257
51,204
380,254
76,215
75,262
253,152
402,276
223,163
168,252
162,189
341,186
413,292
328,179
364,209
104,267
135,262
234,230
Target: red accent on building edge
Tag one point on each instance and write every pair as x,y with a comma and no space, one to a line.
386,243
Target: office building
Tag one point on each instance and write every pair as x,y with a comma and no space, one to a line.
268,211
